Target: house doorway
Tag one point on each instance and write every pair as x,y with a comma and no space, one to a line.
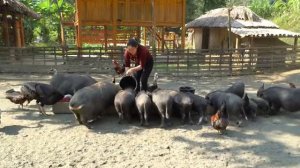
205,38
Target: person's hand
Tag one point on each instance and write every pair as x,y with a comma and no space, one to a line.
129,71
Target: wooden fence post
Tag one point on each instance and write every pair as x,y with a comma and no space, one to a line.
55,59
44,55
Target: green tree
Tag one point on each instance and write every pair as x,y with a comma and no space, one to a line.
48,27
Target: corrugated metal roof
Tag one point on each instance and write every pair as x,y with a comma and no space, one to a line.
263,32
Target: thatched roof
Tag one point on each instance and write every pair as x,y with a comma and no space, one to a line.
17,6
240,17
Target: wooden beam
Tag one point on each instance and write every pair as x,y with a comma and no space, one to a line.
163,43
237,42
153,24
139,32
22,31
5,29
78,25
183,30
62,32
114,18
105,37
18,32
295,43
295,48
144,36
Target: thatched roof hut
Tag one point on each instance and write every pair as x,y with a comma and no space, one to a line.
18,7
212,27
12,13
241,17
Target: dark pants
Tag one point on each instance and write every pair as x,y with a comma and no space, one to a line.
143,75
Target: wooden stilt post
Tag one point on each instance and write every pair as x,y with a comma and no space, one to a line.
295,48
183,30
115,21
144,36
163,43
105,38
5,29
22,32
18,32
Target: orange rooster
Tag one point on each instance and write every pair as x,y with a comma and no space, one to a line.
220,120
119,70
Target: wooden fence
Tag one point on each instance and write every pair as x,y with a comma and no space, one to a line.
172,63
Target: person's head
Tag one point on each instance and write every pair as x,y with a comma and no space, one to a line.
132,46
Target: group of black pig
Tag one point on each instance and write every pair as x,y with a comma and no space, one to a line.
93,99
90,102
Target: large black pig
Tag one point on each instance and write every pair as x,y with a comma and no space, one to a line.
262,106
234,105
90,102
237,88
280,97
183,103
163,101
199,106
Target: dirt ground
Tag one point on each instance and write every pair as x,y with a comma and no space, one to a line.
28,139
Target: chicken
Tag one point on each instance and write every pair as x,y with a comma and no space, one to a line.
220,120
119,70
15,97
154,86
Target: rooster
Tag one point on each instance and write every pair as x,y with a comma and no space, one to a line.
220,121
154,86
44,94
119,70
16,97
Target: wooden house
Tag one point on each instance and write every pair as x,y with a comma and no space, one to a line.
245,29
12,13
113,22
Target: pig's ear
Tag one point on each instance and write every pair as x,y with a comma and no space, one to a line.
260,91
246,98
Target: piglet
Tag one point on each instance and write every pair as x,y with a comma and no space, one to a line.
125,103
144,105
